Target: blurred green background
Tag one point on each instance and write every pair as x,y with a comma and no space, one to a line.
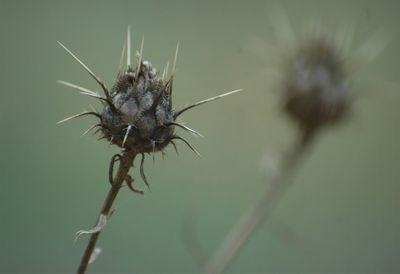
340,216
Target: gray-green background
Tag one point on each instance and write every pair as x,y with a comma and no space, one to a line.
340,216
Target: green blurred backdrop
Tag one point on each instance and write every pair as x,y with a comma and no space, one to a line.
340,216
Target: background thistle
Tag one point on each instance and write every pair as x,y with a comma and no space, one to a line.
315,85
315,94
138,117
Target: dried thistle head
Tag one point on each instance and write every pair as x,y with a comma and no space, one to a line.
315,85
140,116
138,113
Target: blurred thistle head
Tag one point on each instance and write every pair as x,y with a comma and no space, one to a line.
315,87
138,113
316,72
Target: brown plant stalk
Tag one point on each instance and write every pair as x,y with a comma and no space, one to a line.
126,162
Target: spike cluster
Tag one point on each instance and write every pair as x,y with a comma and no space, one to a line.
137,113
140,116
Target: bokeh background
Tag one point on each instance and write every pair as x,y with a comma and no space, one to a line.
340,216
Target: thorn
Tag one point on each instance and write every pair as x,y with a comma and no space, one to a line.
205,101
79,115
188,144
126,134
166,69
163,75
128,46
82,89
140,58
165,72
168,86
97,131
95,77
121,61
185,128
101,222
89,129
175,147
101,99
175,60
142,173
94,96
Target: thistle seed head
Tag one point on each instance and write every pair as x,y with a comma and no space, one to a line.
140,114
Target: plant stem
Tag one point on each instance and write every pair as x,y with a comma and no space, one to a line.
125,164
245,228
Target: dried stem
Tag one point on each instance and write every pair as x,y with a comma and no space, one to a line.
245,228
125,164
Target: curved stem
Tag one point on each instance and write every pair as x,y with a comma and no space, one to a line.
124,167
245,228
